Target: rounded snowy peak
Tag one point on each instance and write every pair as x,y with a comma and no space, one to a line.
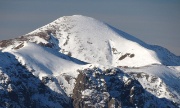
93,41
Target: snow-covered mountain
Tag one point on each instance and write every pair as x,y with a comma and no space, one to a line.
77,61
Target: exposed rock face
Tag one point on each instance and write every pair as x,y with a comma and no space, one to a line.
110,89
154,85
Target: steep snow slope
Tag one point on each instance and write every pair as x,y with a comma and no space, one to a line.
93,41
44,61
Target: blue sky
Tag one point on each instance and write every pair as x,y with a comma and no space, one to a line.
153,21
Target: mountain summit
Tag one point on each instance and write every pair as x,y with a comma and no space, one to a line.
77,61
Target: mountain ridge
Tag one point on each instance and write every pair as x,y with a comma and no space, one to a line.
64,28
78,57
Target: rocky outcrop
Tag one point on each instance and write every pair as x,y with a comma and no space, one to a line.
19,88
94,88
112,88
